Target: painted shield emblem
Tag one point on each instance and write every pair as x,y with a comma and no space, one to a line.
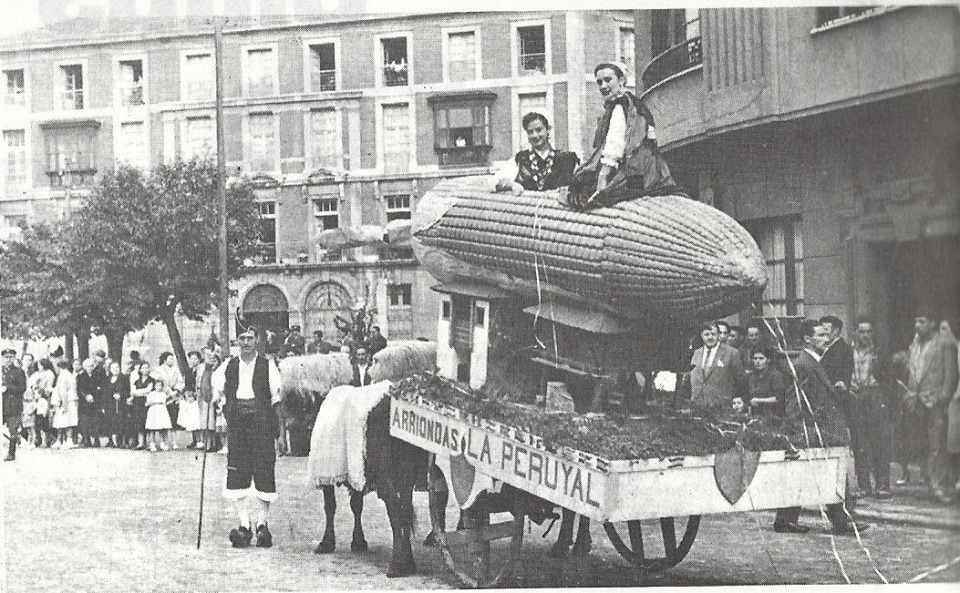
733,471
462,475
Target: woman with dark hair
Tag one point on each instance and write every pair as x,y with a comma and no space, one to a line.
626,161
116,409
141,387
767,387
539,167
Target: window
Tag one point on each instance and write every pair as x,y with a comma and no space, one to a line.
261,72
262,140
782,247
625,50
198,137
461,56
461,128
399,295
395,65
132,146
396,138
398,207
15,89
268,231
199,81
532,45
325,211
71,153
325,146
71,90
131,82
15,149
323,67
829,14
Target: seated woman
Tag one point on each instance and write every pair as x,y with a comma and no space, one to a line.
540,167
626,162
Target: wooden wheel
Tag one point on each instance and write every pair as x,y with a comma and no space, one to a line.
469,552
673,552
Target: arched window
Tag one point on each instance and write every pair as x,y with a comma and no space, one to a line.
325,302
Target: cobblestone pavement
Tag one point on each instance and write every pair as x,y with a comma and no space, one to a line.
109,520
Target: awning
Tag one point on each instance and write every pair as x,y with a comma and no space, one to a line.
476,290
595,322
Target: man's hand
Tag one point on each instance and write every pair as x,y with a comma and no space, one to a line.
840,386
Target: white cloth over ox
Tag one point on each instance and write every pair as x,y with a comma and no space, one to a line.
339,441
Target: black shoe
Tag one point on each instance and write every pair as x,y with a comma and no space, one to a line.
264,539
790,528
241,537
848,528
9,458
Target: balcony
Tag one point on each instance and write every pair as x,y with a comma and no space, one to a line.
71,100
395,74
461,156
677,59
533,64
131,96
325,80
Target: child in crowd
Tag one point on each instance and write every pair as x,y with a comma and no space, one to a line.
221,425
189,417
27,419
158,419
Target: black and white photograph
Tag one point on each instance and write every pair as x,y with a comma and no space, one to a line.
334,295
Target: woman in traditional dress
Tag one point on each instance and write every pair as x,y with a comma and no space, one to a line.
65,405
539,167
626,162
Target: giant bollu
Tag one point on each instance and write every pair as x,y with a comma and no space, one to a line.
654,260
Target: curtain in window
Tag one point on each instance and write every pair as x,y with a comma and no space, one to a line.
263,142
133,144
396,138
324,139
461,51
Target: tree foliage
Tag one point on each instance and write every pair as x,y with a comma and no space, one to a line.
142,248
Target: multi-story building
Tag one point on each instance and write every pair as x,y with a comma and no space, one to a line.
338,122
833,134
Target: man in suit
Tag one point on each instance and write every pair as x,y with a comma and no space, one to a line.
14,385
250,385
90,390
375,341
361,368
933,379
837,361
817,393
717,371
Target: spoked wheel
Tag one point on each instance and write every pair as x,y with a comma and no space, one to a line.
472,552
673,552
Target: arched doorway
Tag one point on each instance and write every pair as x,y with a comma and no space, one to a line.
326,301
266,308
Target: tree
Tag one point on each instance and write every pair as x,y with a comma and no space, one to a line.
148,245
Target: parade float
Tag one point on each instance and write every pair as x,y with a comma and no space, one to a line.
541,305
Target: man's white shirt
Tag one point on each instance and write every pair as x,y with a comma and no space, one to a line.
245,383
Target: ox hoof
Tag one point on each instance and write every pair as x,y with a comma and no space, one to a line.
326,546
559,550
581,548
401,569
431,540
359,545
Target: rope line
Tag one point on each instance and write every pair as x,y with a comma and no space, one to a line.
934,570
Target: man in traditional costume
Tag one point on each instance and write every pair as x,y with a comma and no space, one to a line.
251,388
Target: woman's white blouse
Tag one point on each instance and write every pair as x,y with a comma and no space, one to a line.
616,142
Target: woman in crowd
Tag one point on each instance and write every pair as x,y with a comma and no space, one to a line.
168,372
140,387
539,167
626,162
767,387
116,393
158,419
30,396
42,383
65,405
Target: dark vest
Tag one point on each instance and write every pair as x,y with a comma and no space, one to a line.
261,392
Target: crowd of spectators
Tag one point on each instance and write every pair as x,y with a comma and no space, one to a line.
901,408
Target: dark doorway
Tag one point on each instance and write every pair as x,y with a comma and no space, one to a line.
923,272
266,308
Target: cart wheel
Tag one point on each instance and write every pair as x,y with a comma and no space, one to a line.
674,553
467,552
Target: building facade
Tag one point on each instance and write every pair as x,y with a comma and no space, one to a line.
833,134
337,121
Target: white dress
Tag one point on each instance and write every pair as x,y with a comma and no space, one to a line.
157,416
189,415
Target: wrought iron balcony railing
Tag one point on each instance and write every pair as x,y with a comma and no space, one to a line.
680,57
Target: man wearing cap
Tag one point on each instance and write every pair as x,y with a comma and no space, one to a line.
250,387
14,386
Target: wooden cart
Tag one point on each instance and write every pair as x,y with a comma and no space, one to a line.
478,456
